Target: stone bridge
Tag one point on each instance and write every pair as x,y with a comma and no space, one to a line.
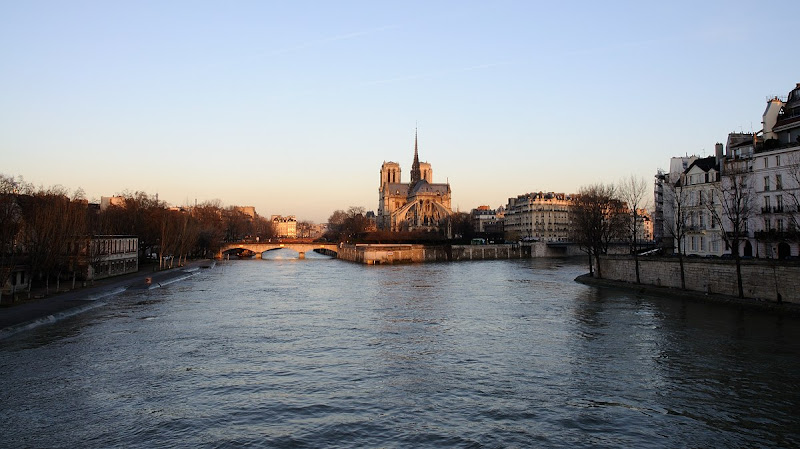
260,248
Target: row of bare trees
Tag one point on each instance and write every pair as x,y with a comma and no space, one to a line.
353,225
49,230
605,213
38,227
602,214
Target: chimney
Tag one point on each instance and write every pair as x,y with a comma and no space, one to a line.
718,150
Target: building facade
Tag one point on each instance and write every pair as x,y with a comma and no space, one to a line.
284,227
758,173
486,220
108,255
697,188
417,205
538,216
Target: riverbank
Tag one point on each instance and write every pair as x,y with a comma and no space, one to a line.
676,293
29,314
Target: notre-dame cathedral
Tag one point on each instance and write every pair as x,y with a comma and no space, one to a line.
416,205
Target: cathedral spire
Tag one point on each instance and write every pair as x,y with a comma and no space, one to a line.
415,173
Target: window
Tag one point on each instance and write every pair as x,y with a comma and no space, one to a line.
767,224
715,246
702,220
778,182
702,243
766,162
694,243
779,203
778,160
766,204
766,183
780,225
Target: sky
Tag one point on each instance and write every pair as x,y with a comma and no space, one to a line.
292,107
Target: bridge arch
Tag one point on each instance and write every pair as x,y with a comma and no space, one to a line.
330,249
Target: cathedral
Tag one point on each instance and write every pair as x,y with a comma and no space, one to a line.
416,205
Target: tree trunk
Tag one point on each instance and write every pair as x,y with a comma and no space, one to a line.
739,275
636,262
591,266
683,274
597,262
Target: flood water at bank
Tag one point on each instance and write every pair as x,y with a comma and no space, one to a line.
318,352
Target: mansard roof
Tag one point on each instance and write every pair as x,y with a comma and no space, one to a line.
706,164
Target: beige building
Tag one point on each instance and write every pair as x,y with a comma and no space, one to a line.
538,216
417,205
284,227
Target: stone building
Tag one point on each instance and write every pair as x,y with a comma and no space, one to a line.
417,205
487,220
542,216
766,165
284,226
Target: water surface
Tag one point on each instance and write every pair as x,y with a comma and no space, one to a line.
311,353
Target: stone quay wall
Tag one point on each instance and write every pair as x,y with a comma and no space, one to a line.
768,280
377,254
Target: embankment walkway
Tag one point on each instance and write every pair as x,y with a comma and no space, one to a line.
29,314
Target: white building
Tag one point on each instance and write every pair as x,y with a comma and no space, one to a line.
696,188
776,173
766,164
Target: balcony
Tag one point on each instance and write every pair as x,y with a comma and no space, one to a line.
775,235
775,209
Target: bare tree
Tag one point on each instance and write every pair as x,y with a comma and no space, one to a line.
597,220
731,206
11,225
347,226
633,192
678,223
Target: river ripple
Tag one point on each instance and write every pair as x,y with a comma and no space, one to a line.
323,353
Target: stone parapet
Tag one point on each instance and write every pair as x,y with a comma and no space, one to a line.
768,280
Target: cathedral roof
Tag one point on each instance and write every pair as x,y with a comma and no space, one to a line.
423,186
398,188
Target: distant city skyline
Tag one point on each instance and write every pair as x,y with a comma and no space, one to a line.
292,108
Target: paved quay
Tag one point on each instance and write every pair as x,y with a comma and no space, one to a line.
34,312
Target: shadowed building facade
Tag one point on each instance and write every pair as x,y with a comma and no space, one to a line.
418,205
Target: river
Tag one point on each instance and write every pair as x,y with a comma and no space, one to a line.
325,353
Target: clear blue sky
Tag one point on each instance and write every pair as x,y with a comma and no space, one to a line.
293,106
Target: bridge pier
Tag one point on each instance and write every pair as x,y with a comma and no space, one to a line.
258,255
301,255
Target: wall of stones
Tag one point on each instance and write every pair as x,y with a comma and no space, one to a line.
762,279
389,253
